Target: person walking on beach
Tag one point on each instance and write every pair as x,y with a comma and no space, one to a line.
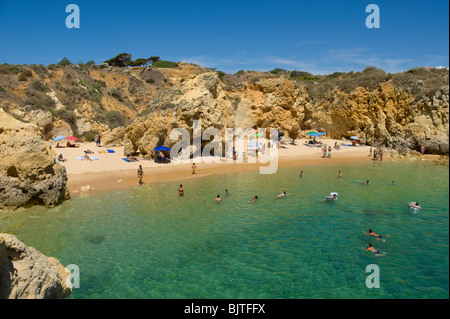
193,168
140,174
329,151
324,152
181,190
375,154
370,152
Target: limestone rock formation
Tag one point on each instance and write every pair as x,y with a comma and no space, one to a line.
387,116
25,273
29,173
276,103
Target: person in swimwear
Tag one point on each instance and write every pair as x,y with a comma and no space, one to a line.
301,173
281,195
140,174
218,199
193,168
372,249
415,204
340,174
181,190
367,182
394,183
372,233
226,192
254,199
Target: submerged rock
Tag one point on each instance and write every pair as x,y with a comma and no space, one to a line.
95,239
25,273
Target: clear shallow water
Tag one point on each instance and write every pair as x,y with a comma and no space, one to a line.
146,242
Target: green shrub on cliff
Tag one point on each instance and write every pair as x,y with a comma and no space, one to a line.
165,64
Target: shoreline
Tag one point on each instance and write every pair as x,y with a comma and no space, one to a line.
110,172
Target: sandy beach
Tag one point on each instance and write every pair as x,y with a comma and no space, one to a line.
110,171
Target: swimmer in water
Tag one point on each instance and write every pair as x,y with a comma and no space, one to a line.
376,252
371,233
282,195
218,199
254,199
340,174
415,204
301,173
226,192
367,182
393,183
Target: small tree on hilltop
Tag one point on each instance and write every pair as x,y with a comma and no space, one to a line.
121,60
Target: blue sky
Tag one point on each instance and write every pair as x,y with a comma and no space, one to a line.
320,37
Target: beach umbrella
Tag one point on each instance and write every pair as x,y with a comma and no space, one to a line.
59,138
311,133
354,138
314,134
161,148
71,138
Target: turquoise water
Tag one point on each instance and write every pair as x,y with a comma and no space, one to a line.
146,242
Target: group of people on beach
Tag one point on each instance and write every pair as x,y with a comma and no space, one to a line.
377,153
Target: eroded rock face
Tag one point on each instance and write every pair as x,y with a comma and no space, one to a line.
29,173
276,103
25,273
387,116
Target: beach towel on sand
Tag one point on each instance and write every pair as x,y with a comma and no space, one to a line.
110,151
102,152
126,160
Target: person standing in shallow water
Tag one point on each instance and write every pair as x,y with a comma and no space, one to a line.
422,149
140,173
193,168
181,190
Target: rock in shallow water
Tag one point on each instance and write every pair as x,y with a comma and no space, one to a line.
25,273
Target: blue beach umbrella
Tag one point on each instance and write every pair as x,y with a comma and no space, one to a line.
314,134
161,148
59,138
354,138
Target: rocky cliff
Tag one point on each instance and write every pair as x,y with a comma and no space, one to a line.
140,106
25,273
386,115
29,173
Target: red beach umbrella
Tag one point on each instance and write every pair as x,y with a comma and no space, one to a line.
71,138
